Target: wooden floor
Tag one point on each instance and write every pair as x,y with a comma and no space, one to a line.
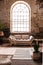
28,63
9,45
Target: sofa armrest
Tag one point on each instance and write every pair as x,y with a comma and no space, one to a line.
11,37
31,37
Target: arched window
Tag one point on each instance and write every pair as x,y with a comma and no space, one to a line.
20,17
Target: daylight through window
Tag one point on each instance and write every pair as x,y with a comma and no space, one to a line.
20,17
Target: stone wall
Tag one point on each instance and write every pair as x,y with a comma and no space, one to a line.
36,14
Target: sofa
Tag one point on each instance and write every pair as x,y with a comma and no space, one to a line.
21,39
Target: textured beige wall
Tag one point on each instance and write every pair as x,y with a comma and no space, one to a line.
36,13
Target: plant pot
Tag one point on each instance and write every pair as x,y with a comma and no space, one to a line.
36,56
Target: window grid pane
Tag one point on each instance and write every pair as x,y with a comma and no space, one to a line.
20,18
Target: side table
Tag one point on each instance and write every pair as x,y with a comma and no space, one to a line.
41,54
38,41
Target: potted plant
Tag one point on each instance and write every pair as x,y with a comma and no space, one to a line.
1,27
36,53
6,31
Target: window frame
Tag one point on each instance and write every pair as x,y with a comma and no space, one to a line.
17,2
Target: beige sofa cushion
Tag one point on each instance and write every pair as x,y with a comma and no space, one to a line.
17,36
25,36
